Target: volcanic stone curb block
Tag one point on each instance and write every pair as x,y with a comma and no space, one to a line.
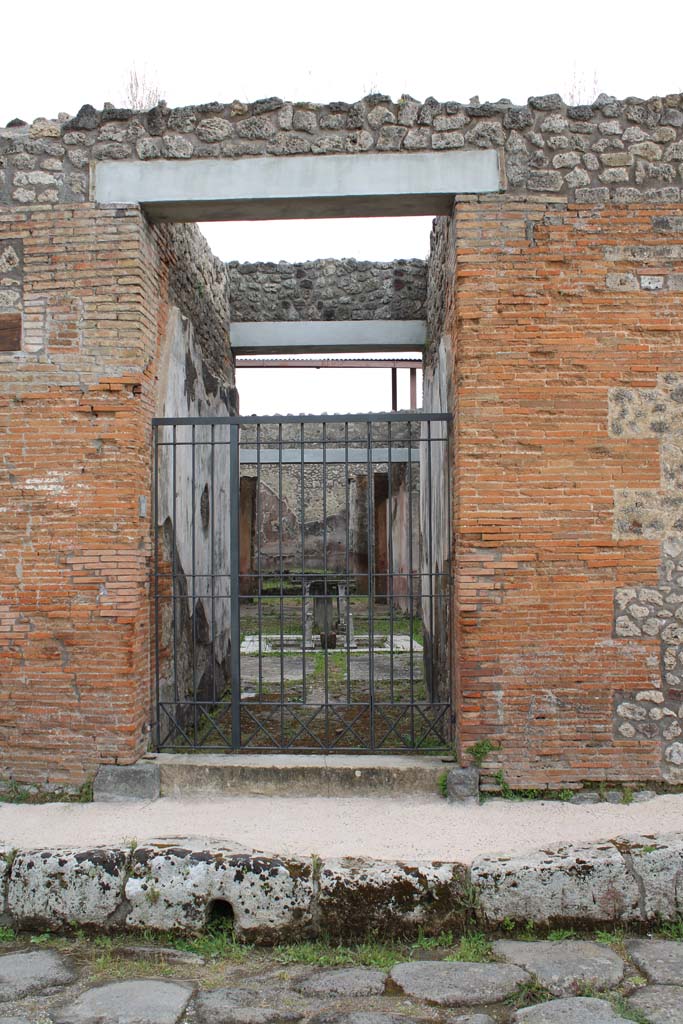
176,888
127,782
50,889
569,1011
173,889
129,1002
660,961
562,967
567,883
23,974
351,981
457,984
658,863
4,882
357,896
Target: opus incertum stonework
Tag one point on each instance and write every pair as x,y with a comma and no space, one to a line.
552,297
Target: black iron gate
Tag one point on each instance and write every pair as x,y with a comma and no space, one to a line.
302,583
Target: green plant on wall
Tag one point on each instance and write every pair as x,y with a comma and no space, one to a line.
480,750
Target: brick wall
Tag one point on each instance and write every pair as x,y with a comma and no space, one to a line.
75,418
565,361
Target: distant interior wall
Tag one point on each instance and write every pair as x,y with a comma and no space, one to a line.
327,289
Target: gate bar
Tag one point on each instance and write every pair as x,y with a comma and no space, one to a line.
235,687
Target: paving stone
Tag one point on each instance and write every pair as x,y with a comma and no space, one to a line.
562,966
347,981
457,984
128,1002
660,961
25,974
14,1020
578,1010
238,1006
473,1018
661,1004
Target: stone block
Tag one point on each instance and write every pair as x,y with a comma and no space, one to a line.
462,785
457,984
174,888
32,972
661,1004
658,864
129,1002
564,884
118,782
50,889
4,882
357,896
575,1010
564,968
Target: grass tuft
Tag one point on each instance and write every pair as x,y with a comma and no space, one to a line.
473,948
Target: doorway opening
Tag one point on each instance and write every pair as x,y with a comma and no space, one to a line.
309,538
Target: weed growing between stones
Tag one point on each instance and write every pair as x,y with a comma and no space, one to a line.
12,793
366,954
441,941
671,930
529,993
7,934
508,793
473,948
617,1001
561,934
443,784
480,750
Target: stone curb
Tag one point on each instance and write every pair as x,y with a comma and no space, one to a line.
629,880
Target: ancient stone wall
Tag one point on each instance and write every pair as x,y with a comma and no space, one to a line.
624,150
327,289
76,404
568,529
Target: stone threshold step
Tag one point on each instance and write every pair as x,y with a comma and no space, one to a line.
206,775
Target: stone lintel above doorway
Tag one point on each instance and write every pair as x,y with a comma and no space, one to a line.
273,187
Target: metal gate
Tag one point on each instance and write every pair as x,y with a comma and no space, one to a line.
302,583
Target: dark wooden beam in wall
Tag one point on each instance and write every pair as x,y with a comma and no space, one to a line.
10,332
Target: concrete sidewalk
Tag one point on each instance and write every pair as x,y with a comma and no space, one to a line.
396,829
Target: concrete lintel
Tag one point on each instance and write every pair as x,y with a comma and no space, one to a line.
284,187
301,336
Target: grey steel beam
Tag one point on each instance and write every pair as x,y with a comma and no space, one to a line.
291,336
316,456
343,363
284,187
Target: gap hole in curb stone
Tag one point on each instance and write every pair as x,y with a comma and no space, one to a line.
220,917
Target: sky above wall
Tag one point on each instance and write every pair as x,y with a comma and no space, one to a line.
83,52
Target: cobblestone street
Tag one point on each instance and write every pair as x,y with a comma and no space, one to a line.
51,980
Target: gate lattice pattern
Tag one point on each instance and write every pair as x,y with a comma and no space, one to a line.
302,583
